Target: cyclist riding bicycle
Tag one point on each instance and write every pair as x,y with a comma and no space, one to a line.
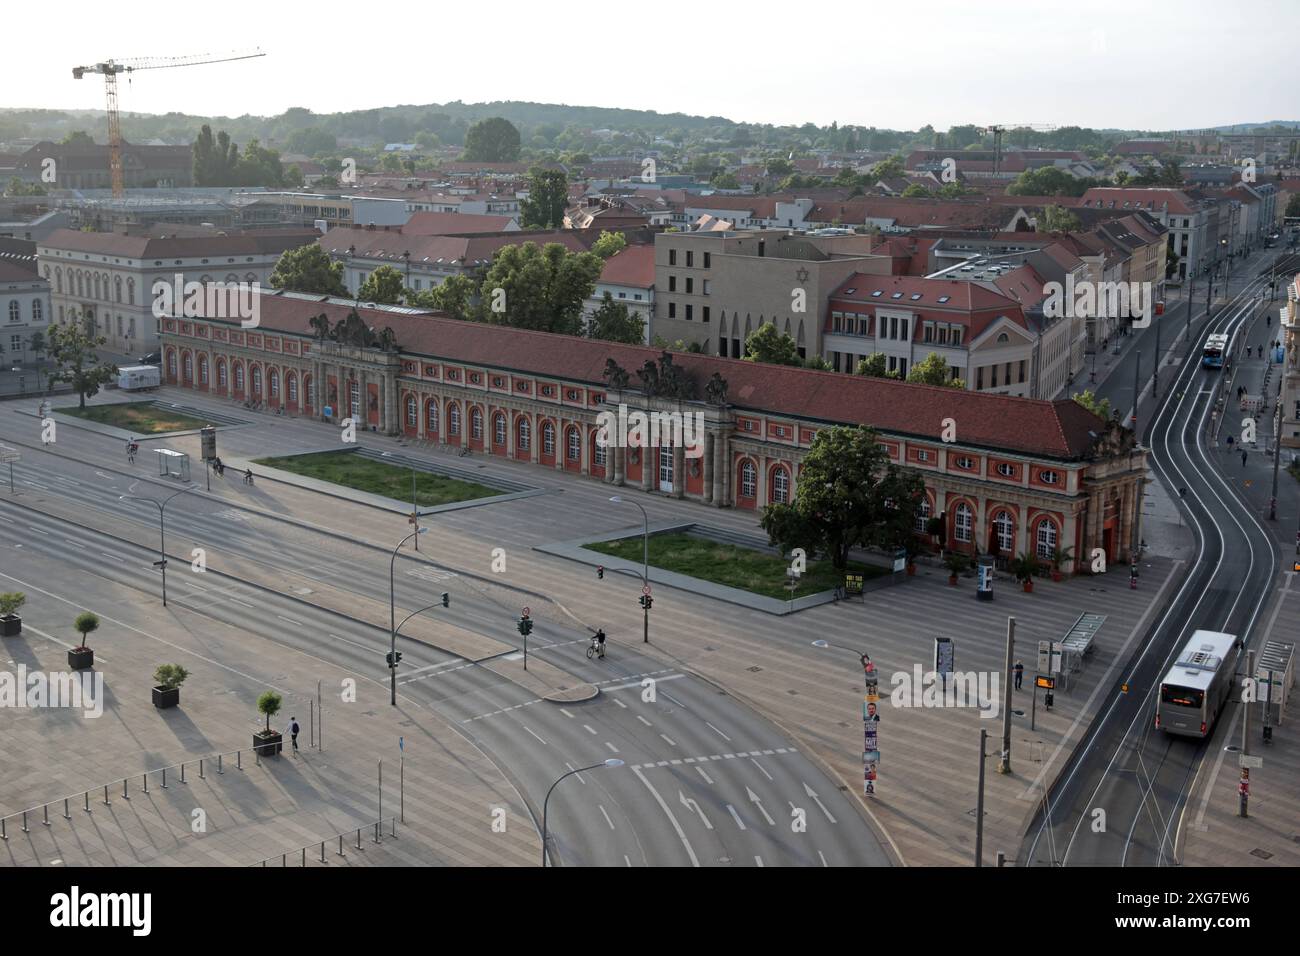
600,643
248,476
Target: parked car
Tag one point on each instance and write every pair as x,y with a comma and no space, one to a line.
153,358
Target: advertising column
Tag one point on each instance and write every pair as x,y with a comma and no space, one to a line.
870,726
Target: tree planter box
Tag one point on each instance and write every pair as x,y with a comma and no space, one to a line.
952,579
11,626
267,744
164,697
1058,576
1029,587
79,658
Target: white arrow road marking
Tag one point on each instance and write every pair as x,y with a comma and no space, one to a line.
809,791
671,819
736,816
693,805
754,799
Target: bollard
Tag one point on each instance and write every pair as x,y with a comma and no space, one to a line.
66,815
25,830
284,859
106,803
183,773
394,826
304,856
145,777
377,826
1002,858
341,853
125,795
87,806
358,838
46,811
219,770
201,777
322,851
164,778
239,760
3,835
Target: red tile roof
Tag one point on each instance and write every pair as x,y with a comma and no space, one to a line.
1148,199
633,266
252,242
1057,429
969,303
453,224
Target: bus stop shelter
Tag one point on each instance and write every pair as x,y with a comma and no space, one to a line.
173,464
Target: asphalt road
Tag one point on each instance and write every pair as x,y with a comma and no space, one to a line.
1120,798
706,781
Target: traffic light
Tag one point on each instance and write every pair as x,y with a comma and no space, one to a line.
393,658
446,599
646,601
600,572
525,626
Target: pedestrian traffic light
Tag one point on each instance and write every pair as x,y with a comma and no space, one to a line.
393,658
646,601
600,572
446,599
525,626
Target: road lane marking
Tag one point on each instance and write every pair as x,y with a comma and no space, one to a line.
671,819
589,729
606,816
690,804
612,748
758,860
669,739
289,620
644,721
566,713
675,700
707,778
817,800
581,779
241,603
717,731
760,768
530,730
754,799
736,816
823,856
619,702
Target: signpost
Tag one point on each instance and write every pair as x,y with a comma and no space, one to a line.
8,456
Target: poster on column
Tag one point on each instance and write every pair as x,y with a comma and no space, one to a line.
871,728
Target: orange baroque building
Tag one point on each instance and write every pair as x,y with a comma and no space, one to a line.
1006,474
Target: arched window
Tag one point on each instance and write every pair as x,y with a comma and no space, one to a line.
412,412
203,369
432,410
58,281
291,386
95,280
548,439
453,420
273,379
525,438
1005,528
81,289
962,520
780,486
309,388
476,423
499,429
257,380
221,373
15,311
171,364
239,377
354,399
748,479
1045,539
117,288
573,441
130,291
598,452
38,311
922,514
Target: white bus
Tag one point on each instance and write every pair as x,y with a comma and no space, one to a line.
1198,685
1216,349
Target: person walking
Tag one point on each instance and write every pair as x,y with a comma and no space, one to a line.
294,729
1020,673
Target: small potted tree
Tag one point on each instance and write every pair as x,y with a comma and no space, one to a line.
167,692
267,742
957,564
11,625
79,658
1059,557
1024,566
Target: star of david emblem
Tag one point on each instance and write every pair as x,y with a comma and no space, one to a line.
802,275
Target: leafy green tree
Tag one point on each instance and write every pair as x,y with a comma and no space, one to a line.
779,168
269,705
456,295
308,269
613,322
933,370
494,140
257,167
293,177
427,139
849,495
916,191
215,159
609,244
540,287
548,194
78,137
889,168
725,180
17,187
87,622
1098,406
311,141
383,286
819,363
72,347
1058,219
766,344
873,366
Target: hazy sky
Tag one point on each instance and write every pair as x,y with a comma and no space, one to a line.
1143,64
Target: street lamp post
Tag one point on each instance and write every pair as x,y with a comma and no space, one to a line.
611,762
645,567
392,616
162,531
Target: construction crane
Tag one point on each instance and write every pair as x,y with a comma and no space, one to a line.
997,129
111,69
